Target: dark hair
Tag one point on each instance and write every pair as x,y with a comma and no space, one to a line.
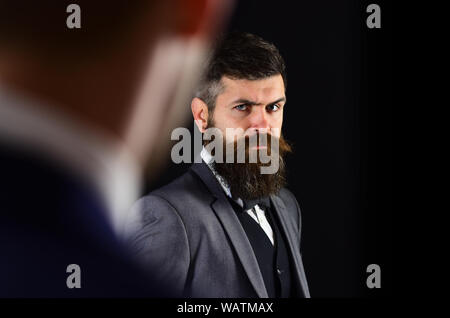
239,56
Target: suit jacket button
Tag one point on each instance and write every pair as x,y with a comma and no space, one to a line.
279,271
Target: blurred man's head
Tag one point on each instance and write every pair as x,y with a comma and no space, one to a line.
244,88
121,73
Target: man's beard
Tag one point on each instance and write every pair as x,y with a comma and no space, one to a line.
245,179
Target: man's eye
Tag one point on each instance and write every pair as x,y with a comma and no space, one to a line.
241,107
273,108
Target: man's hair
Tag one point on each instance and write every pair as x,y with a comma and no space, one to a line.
239,56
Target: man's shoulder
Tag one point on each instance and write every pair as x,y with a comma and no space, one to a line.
287,196
183,202
180,194
290,202
185,185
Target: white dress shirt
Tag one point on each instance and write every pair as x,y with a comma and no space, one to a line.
256,212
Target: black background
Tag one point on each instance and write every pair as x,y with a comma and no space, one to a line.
338,116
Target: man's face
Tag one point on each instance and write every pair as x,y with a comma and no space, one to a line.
250,104
253,106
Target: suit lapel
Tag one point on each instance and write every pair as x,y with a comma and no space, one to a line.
233,228
241,244
289,230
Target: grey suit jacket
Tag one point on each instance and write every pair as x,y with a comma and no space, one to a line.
188,233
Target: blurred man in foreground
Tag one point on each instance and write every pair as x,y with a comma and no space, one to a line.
80,110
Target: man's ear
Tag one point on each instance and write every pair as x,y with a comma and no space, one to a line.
200,113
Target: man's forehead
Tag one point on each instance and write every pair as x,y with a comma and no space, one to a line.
260,91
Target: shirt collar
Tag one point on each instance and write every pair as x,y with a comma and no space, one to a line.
208,159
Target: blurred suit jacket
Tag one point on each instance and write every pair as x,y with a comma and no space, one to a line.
51,217
188,233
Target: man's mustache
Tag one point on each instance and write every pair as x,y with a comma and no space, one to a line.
261,142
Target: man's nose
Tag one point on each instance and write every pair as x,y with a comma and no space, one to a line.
258,118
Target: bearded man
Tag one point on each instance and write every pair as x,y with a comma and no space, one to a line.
227,228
